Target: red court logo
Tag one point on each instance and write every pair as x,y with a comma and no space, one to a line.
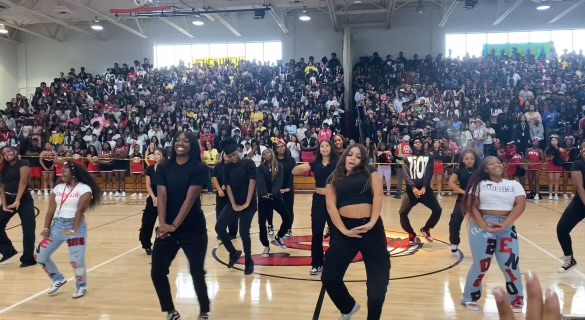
396,247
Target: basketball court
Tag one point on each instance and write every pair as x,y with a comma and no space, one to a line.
426,280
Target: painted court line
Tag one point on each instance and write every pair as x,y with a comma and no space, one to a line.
574,269
36,295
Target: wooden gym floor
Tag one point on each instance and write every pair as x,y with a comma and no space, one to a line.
427,281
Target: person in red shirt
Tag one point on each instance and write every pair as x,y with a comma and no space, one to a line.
535,158
325,133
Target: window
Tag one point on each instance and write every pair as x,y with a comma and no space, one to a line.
563,40
169,55
497,38
539,36
455,43
474,44
518,37
578,40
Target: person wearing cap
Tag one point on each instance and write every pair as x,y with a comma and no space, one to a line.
402,150
535,158
242,205
418,172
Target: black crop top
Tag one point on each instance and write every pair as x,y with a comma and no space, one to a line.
354,189
321,173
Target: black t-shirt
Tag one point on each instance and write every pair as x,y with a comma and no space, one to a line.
288,178
218,172
463,175
579,165
321,172
151,173
177,179
10,176
237,176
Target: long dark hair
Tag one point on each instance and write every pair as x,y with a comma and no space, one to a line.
163,154
78,171
475,155
194,152
472,192
339,173
333,155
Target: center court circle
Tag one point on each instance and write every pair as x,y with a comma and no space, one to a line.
294,263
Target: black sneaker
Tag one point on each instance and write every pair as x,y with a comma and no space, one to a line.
26,264
148,251
270,230
234,258
279,242
249,266
174,316
8,255
288,234
569,262
427,234
413,240
203,316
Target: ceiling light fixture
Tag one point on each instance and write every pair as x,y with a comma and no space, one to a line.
543,7
304,16
198,22
3,29
96,25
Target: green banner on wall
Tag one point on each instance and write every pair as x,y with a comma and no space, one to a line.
535,48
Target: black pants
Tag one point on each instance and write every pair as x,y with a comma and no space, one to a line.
289,202
429,200
455,223
319,216
342,251
574,213
220,203
26,212
229,216
149,216
194,245
266,207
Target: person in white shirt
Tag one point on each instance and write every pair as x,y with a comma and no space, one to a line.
65,222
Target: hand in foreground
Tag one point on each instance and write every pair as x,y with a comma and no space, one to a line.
163,230
494,227
365,228
536,307
46,233
13,206
242,207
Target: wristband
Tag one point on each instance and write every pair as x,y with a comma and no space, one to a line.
172,224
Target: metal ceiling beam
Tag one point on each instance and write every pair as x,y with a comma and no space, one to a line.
107,18
567,11
177,27
9,40
277,19
46,17
507,12
332,14
448,13
29,31
220,19
364,11
389,11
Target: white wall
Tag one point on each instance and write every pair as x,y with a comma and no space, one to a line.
42,60
8,72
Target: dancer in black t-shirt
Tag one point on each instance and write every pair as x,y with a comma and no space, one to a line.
150,214
288,186
181,222
240,181
221,198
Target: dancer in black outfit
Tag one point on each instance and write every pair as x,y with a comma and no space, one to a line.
240,181
354,201
181,222
221,198
418,172
468,164
268,185
574,213
150,214
288,181
322,168
16,198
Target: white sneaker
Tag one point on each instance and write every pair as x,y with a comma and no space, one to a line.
117,194
536,197
123,194
105,194
556,197
568,263
33,193
440,197
316,271
566,196
46,193
353,311
111,194
133,196
140,195
39,193
266,252
57,285
80,292
550,196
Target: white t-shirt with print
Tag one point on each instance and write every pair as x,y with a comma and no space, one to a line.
67,199
499,196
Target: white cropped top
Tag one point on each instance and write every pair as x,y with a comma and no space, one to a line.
67,199
499,196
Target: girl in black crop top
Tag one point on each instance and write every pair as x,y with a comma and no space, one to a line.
321,168
351,185
468,164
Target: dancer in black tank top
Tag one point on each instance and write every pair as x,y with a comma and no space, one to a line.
322,168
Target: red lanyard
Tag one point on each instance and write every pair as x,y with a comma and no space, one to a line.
65,197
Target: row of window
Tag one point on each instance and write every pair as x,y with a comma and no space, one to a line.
473,43
169,55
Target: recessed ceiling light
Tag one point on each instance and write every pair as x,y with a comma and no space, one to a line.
304,16
357,1
198,22
543,7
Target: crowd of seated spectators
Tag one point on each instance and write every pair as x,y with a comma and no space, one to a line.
126,106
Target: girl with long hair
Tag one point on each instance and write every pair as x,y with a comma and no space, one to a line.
535,158
288,182
574,213
354,202
268,186
136,169
93,165
554,166
65,222
16,198
47,161
120,167
468,164
150,214
181,222
322,168
339,144
384,160
106,161
238,173
493,205
438,167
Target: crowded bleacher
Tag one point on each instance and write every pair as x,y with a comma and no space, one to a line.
490,103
